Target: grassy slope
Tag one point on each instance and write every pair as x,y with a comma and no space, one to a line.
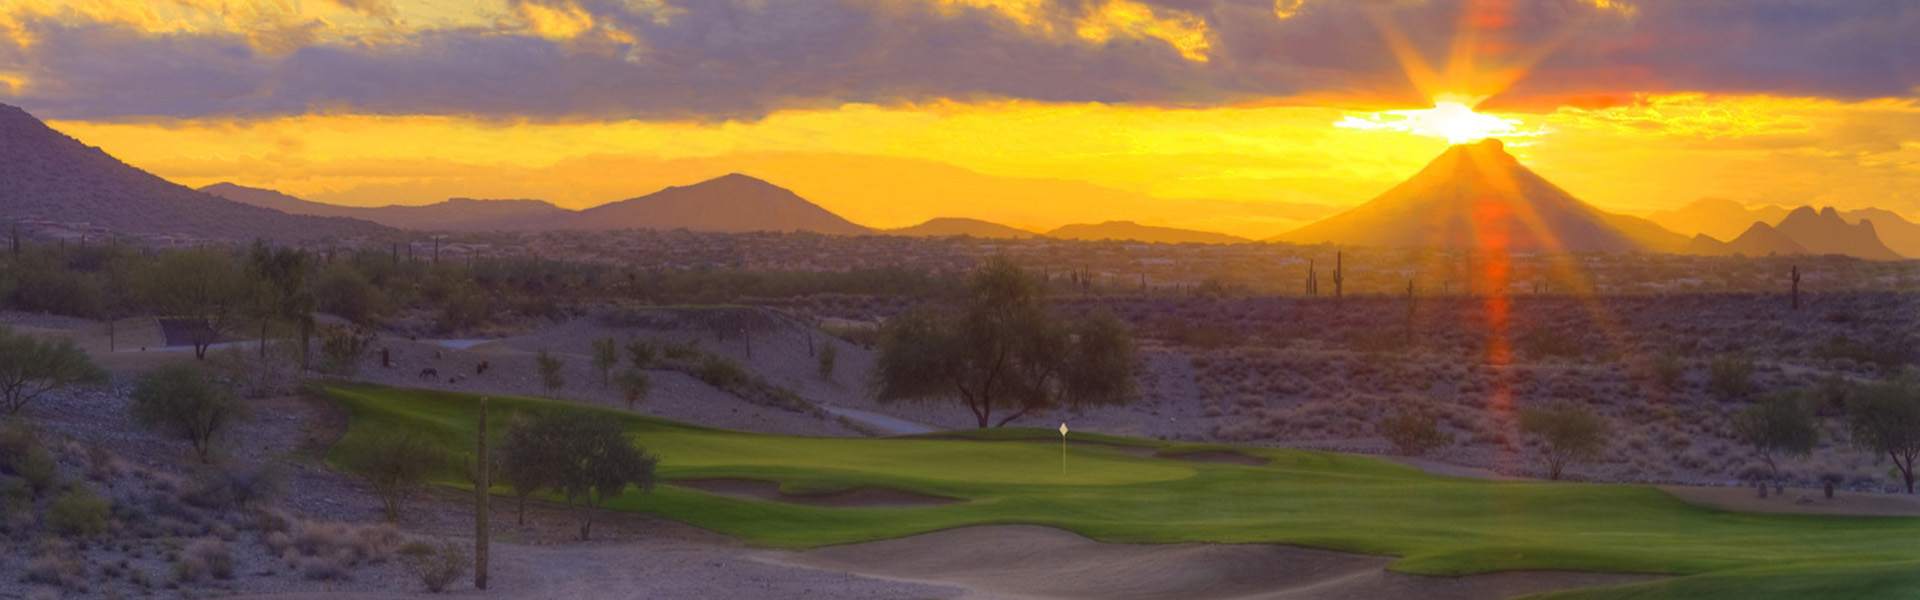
1438,525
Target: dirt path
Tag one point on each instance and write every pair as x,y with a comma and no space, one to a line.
1039,563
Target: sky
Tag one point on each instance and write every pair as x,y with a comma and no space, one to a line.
1249,117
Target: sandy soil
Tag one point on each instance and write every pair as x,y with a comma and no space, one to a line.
1797,501
1039,563
866,497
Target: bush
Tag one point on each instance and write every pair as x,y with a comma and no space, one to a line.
1731,376
213,555
1413,433
78,512
185,401
1571,432
437,565
394,464
721,372
225,488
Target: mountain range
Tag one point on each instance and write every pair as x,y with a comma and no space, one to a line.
46,175
1471,196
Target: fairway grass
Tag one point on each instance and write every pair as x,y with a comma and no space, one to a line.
1436,525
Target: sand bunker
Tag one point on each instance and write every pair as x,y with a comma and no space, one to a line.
1745,499
866,497
1218,456
1022,561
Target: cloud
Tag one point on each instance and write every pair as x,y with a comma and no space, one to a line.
710,60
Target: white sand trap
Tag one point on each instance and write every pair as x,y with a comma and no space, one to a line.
1041,563
1745,499
865,497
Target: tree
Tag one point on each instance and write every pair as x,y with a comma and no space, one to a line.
635,385
394,463
185,401
1885,419
282,291
203,287
1571,433
31,366
1780,424
1003,351
550,377
1413,432
586,459
606,354
522,462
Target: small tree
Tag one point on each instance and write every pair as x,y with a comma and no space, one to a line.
1413,432
1780,424
586,459
342,347
31,366
635,385
1885,419
828,356
436,564
550,377
395,464
522,462
1571,433
606,354
185,401
206,287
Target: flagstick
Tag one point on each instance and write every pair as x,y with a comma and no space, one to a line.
1063,449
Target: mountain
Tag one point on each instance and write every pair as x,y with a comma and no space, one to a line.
1131,231
1824,232
732,203
953,226
45,174
1478,196
1899,234
1717,217
457,214
1760,239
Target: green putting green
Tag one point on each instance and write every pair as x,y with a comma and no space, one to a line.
1437,525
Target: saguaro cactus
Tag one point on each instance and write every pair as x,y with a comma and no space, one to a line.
1313,280
1339,276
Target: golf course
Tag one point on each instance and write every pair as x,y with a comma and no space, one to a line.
1135,491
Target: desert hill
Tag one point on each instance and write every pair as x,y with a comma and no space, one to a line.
457,214
1760,239
952,226
1719,218
45,174
1131,231
1825,232
730,203
1478,196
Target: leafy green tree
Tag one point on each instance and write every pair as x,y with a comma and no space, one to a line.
343,291
1003,351
1780,424
283,295
185,401
585,459
31,366
522,461
1570,432
550,375
635,385
395,464
205,287
606,354
1885,419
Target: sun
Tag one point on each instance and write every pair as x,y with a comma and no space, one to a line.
1450,118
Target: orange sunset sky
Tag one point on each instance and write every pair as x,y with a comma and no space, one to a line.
1247,117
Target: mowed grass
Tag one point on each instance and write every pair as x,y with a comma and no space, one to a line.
1438,525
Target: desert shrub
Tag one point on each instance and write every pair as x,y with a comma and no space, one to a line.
436,564
342,347
680,350
213,555
348,544
1841,347
37,468
829,354
78,512
643,354
635,385
53,570
395,464
224,488
721,372
1569,433
324,568
185,401
1413,432
1730,376
1668,370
